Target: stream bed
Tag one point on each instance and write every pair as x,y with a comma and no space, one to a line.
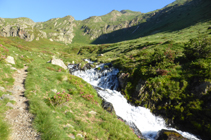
105,78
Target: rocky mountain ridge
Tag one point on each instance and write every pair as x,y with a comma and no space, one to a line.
101,28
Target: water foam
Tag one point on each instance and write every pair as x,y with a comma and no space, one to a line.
146,122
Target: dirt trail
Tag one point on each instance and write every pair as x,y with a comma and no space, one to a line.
19,117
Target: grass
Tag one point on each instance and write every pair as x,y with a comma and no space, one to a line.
69,118
168,68
166,57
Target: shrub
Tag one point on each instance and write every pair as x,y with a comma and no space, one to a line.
198,48
60,98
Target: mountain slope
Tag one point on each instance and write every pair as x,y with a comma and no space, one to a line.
112,27
173,17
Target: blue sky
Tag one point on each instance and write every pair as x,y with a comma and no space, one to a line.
43,10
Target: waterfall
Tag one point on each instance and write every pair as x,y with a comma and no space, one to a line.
107,81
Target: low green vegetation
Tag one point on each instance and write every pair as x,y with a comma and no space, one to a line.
64,105
170,77
167,69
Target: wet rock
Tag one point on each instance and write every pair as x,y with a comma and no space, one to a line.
169,135
10,60
58,62
108,106
73,67
86,66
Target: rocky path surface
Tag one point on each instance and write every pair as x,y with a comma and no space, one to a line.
19,117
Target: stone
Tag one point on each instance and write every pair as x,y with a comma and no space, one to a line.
10,105
100,55
11,91
51,39
65,78
68,125
54,90
10,60
71,136
58,62
80,135
2,88
169,135
93,112
18,88
86,66
13,68
108,106
7,96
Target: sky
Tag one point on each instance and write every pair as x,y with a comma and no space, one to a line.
43,10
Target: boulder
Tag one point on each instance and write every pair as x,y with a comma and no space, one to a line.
10,60
108,106
58,62
169,135
86,66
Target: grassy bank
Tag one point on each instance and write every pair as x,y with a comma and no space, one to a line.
167,74
64,106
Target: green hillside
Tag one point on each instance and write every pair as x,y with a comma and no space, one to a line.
164,57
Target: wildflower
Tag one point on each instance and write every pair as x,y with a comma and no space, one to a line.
58,93
0,44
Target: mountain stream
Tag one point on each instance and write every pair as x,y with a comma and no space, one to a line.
107,82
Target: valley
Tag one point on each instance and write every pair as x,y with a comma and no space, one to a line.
163,58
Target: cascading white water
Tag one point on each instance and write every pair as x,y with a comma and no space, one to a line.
107,81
